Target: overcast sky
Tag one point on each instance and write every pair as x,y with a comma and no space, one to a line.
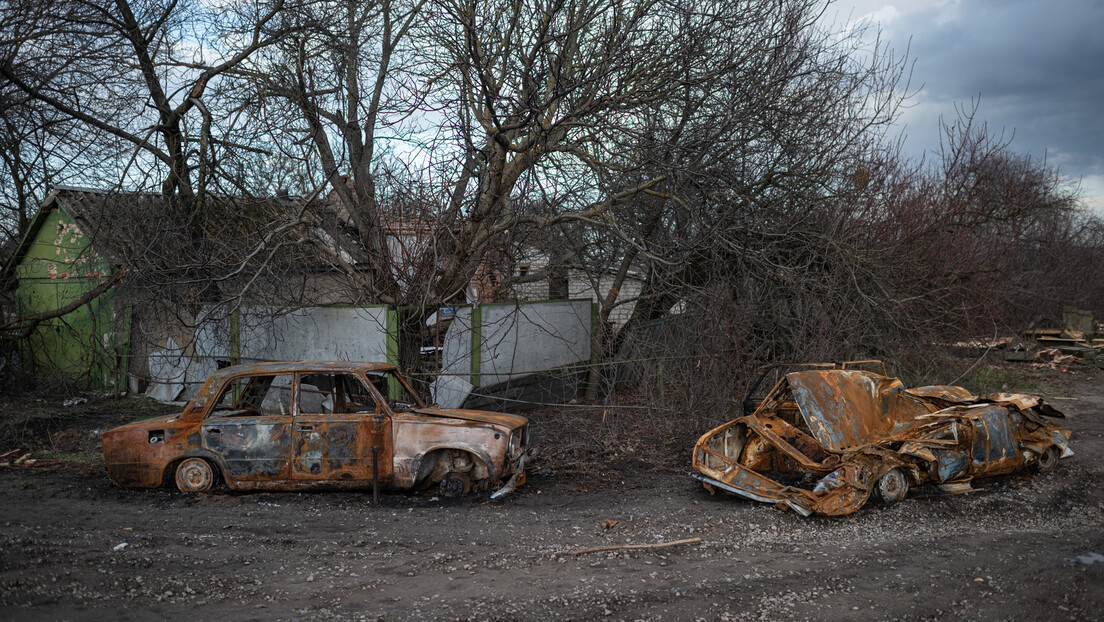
1037,65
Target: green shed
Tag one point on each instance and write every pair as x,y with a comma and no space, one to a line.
57,265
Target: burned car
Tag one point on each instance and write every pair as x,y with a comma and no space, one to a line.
828,437
282,426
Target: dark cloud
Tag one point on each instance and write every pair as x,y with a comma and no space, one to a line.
1037,66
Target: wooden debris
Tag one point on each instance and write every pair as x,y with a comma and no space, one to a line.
36,463
8,454
616,547
25,461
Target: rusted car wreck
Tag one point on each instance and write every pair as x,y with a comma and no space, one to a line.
318,424
825,439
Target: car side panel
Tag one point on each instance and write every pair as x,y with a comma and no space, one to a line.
416,435
137,454
252,448
339,447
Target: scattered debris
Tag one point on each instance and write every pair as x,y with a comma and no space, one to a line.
1054,359
25,460
1089,559
1080,338
120,546
618,547
75,401
610,524
957,488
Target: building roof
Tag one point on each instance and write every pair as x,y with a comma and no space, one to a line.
120,224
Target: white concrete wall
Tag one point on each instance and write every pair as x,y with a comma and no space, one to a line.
456,349
314,333
532,337
517,339
580,285
536,290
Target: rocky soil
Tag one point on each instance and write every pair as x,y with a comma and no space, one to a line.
74,547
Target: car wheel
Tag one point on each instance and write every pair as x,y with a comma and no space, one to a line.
893,486
1048,460
455,484
195,475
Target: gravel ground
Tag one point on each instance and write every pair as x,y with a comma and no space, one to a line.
1023,547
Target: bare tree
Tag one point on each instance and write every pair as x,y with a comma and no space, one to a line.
331,94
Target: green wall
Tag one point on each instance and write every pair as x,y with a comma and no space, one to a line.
57,267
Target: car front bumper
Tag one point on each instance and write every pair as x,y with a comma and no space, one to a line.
516,479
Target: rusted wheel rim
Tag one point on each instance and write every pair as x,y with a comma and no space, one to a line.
1049,459
455,484
893,486
194,475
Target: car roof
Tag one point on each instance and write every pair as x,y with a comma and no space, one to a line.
287,367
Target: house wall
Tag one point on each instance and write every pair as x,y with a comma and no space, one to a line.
57,268
536,290
176,350
580,286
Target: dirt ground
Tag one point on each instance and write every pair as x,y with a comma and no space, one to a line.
74,547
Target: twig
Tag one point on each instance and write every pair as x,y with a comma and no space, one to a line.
658,545
10,453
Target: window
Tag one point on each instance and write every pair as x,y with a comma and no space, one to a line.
558,285
398,397
255,396
334,393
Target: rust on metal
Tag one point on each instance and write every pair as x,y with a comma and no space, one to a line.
824,440
317,424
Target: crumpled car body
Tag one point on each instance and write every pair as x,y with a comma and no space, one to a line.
823,441
317,424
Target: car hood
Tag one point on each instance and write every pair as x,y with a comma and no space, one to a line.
153,422
481,416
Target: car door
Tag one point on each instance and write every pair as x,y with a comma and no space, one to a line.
995,448
337,425
250,428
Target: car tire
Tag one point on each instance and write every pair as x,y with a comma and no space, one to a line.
194,475
893,486
1048,460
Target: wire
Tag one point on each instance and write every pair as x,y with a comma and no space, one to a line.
981,358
